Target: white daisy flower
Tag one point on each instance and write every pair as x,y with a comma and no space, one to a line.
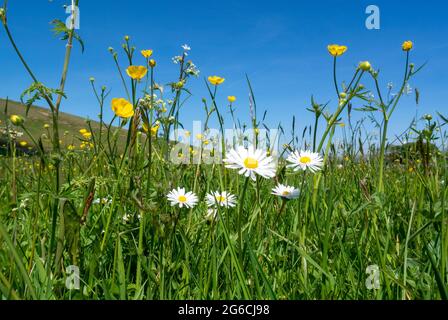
302,160
286,192
223,199
180,198
212,215
186,47
250,162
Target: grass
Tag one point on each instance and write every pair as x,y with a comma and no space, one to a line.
103,210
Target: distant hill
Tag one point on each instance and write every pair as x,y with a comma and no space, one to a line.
69,125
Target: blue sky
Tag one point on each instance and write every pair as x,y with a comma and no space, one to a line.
281,45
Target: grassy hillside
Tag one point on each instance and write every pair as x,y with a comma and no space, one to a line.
69,125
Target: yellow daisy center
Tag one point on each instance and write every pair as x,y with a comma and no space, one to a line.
251,163
221,198
182,199
285,193
305,160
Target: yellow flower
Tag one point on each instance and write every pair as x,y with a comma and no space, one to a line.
87,135
137,72
16,120
199,136
215,80
336,50
152,63
365,66
187,133
71,147
154,129
23,143
46,126
407,46
231,99
82,131
122,108
146,53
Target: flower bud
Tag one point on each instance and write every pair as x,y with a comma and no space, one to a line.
152,63
427,117
16,120
343,95
365,66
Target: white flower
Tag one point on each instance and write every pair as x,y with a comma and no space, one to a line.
286,192
212,215
251,161
180,198
186,47
223,199
305,160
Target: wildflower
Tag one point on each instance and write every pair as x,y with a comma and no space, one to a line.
180,198
427,117
23,143
336,50
154,129
70,147
137,72
250,162
152,63
87,135
177,59
231,99
146,53
122,108
305,160
83,131
46,126
16,120
215,80
187,133
286,192
365,66
223,199
407,46
199,136
186,47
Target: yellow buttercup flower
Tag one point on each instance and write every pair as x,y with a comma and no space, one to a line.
122,108
146,53
407,46
70,147
23,143
87,135
231,99
46,126
154,129
336,50
215,80
83,131
137,72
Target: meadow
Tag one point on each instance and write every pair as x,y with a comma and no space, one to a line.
106,210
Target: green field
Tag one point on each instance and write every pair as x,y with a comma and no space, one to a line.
100,214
